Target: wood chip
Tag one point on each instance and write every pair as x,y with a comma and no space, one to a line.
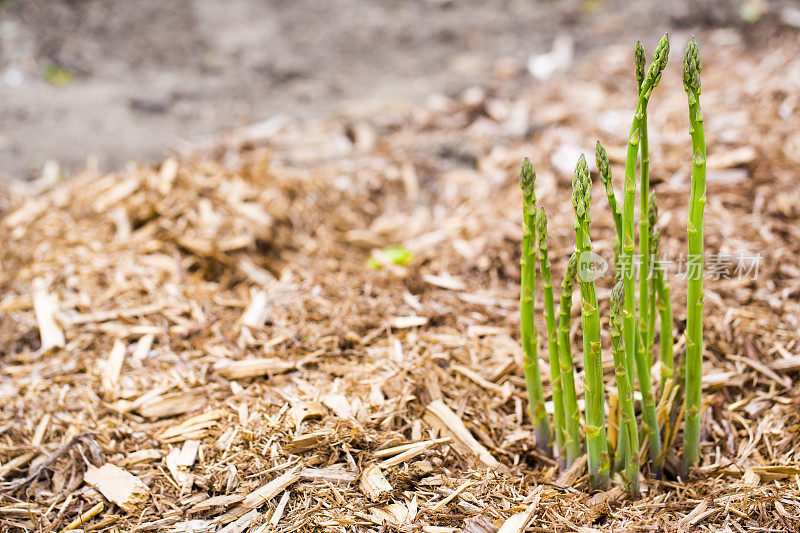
111,372
191,426
694,516
173,405
518,522
225,500
787,364
395,514
730,158
441,417
763,369
118,486
404,322
568,477
407,452
278,514
241,523
304,411
252,368
142,348
338,404
600,502
307,442
188,453
144,455
270,490
45,306
373,483
256,313
445,281
335,475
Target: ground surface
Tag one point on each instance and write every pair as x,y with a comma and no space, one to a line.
210,331
200,344
151,77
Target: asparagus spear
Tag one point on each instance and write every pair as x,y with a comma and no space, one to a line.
665,318
593,391
601,157
552,335
645,317
625,390
695,297
533,380
650,81
652,218
639,60
572,438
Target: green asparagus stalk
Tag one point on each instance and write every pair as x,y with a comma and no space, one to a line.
625,390
572,438
533,380
552,335
652,219
601,157
645,316
639,61
665,318
695,297
650,81
596,444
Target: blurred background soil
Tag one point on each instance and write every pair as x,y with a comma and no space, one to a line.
137,79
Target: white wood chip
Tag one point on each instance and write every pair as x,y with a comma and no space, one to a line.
188,453
142,348
338,404
256,313
373,483
118,486
395,514
251,368
270,490
276,516
441,417
169,170
114,363
445,281
403,322
241,524
45,306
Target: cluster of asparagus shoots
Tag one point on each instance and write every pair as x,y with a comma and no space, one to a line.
632,322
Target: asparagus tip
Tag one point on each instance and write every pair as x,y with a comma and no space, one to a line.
655,237
660,57
639,60
601,157
652,212
692,67
581,188
617,298
541,225
571,271
527,177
